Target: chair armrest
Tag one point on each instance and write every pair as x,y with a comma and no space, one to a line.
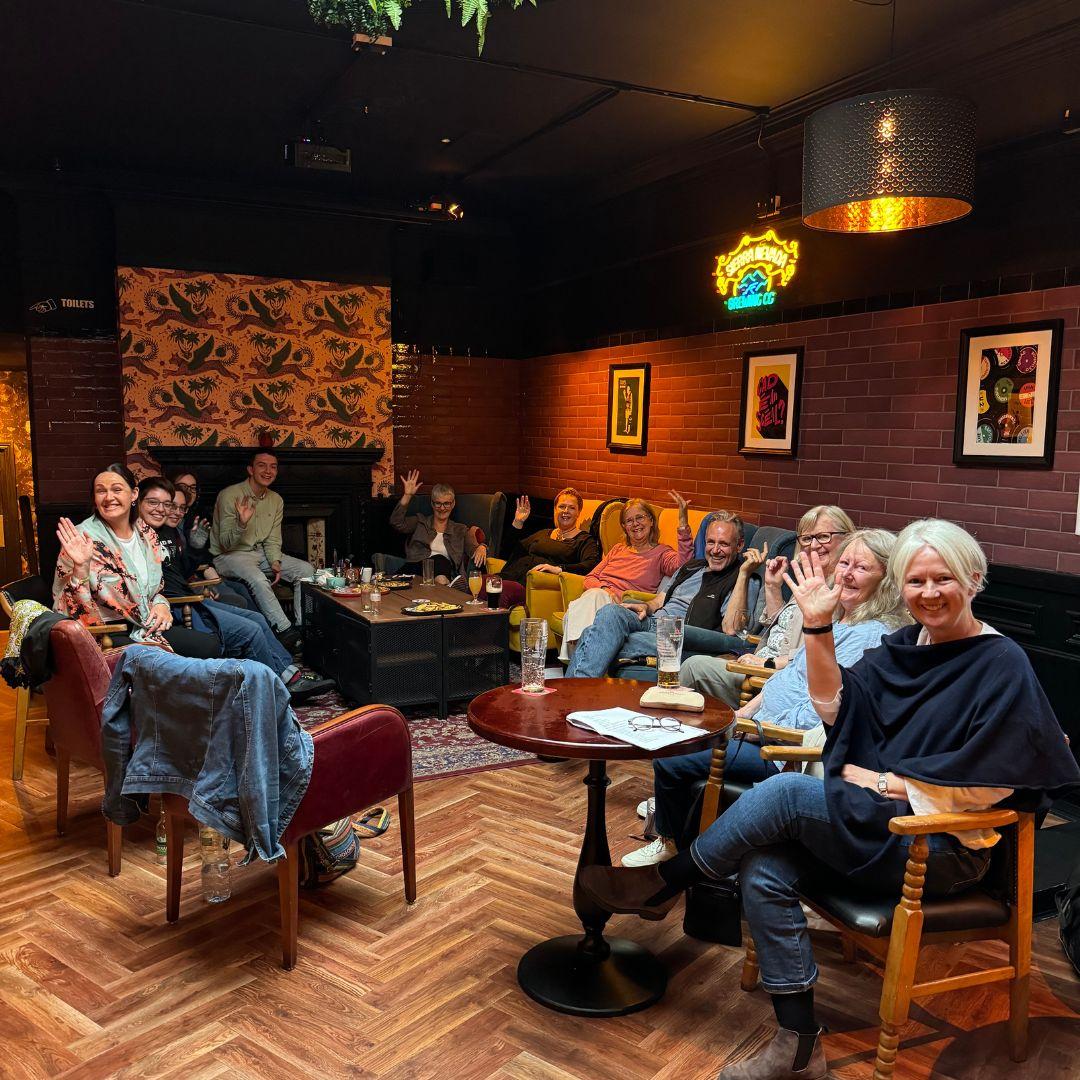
205,583
495,566
541,579
795,753
753,639
755,670
194,599
636,597
572,586
924,824
111,628
770,731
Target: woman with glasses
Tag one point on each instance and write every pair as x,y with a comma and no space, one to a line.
639,564
867,607
109,570
822,530
434,535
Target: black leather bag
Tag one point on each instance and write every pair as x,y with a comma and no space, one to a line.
714,912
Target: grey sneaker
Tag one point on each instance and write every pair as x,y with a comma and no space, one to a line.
660,850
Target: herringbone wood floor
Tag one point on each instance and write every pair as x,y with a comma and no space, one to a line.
93,983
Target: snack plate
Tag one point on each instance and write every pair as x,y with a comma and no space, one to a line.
347,591
449,610
397,583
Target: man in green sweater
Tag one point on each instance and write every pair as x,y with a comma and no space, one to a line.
246,542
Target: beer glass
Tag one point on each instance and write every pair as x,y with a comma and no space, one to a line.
494,590
534,638
476,581
669,641
429,571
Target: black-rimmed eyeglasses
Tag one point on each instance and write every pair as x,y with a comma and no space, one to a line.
822,538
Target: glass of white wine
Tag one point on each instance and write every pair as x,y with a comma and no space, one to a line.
476,583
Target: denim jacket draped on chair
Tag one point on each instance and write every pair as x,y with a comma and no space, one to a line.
220,733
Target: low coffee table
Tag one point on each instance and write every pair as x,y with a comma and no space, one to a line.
592,975
403,660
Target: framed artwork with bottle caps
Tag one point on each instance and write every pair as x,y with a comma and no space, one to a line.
1007,395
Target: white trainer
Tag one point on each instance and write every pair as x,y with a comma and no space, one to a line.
660,850
644,809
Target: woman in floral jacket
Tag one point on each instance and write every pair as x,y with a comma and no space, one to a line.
109,570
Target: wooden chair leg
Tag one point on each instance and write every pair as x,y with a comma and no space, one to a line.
22,712
714,787
848,949
902,960
1020,940
63,770
749,979
288,871
407,823
174,865
115,842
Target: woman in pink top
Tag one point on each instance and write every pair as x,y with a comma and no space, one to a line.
640,564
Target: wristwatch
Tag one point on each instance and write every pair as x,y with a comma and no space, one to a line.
883,785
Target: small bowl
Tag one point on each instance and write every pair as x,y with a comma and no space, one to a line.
335,583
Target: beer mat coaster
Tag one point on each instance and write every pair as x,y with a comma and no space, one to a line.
536,693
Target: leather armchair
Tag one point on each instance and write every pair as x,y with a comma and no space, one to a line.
361,758
74,696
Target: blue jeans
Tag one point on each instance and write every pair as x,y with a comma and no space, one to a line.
675,777
616,631
774,834
252,569
245,635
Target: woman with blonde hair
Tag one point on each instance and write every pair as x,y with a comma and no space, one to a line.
640,563
867,606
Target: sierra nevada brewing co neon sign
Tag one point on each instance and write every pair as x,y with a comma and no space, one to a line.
755,270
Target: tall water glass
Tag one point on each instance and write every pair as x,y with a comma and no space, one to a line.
429,571
534,639
669,642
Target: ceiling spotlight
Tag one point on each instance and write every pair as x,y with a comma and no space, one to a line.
446,140
447,209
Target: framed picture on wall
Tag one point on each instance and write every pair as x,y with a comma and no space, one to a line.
628,408
769,402
1006,395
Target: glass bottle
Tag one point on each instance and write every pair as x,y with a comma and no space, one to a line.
215,865
161,838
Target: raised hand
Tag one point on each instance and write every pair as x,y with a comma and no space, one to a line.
245,509
522,511
815,594
774,571
411,483
76,546
752,559
682,504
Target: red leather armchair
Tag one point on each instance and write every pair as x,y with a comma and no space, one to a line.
361,758
74,696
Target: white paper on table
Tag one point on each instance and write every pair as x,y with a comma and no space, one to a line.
615,723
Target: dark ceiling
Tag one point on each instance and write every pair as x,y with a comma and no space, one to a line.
175,92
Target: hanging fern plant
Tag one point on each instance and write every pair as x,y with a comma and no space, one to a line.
378,18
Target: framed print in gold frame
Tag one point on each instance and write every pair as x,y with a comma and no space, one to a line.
628,408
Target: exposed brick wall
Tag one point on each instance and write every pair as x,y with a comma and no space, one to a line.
876,428
76,415
457,419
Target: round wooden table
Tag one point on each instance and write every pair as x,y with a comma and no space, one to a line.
590,975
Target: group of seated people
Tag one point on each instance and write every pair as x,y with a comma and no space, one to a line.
143,546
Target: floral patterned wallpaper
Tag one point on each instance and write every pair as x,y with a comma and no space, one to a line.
15,429
218,359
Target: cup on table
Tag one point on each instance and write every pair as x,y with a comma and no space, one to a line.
352,576
669,642
534,639
476,582
365,575
429,571
494,590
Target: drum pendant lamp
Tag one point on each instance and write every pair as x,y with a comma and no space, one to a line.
893,160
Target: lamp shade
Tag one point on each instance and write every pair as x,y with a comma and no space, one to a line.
898,159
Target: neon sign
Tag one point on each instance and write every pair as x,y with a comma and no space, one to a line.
753,272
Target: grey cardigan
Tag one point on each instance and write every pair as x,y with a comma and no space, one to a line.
458,538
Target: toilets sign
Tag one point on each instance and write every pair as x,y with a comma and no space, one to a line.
754,271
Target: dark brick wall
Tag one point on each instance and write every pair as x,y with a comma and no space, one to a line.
876,429
76,415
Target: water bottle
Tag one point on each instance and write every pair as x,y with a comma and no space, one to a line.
161,839
215,865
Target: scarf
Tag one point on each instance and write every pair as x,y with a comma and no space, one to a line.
967,713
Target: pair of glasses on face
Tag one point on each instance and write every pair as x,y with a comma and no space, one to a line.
190,489
443,505
158,504
822,538
652,723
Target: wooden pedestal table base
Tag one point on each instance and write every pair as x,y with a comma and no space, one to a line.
591,975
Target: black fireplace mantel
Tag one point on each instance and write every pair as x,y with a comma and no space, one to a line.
314,482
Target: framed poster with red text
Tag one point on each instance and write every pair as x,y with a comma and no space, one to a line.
769,409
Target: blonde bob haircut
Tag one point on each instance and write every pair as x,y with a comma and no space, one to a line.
886,604
810,518
959,550
635,504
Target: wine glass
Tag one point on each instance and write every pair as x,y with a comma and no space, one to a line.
476,582
352,576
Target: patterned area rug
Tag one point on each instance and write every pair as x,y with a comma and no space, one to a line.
440,747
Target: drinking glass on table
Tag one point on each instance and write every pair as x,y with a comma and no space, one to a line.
534,640
352,576
494,590
429,571
476,581
375,598
669,642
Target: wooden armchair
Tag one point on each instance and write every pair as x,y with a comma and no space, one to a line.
30,707
999,908
196,596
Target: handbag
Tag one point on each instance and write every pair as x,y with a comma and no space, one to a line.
714,912
328,853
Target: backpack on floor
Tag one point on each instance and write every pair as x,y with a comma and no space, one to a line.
1068,905
328,853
